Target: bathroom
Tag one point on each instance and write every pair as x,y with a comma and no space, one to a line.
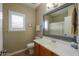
39,29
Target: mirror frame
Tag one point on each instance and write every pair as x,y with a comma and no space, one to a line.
52,11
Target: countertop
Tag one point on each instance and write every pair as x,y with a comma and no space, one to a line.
60,47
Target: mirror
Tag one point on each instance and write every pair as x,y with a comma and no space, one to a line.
60,22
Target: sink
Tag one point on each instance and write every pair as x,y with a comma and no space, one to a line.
53,41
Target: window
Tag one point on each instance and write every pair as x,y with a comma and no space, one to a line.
0,20
46,25
16,21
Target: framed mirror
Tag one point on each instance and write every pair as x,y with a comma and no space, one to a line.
60,21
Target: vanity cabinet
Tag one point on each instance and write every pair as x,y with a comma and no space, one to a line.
36,49
42,51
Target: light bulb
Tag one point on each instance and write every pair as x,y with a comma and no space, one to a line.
49,5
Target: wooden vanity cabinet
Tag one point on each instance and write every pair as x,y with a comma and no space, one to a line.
36,49
42,51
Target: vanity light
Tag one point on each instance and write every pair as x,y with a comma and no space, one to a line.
49,5
55,5
52,5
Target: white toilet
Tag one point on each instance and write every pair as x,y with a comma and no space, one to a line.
30,47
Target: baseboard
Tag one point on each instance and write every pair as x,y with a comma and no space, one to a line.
16,52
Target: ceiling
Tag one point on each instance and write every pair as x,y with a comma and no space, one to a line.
33,5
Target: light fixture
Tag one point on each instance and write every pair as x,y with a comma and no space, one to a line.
55,5
49,5
52,5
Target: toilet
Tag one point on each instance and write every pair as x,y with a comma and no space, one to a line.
30,47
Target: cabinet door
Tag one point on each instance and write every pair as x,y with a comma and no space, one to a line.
46,52
36,48
42,51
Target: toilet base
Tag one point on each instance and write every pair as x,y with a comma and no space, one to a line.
31,51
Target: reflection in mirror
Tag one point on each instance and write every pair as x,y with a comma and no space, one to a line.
59,22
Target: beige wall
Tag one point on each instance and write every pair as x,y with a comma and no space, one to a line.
40,10
14,41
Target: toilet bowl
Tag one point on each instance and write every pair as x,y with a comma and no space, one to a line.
30,47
